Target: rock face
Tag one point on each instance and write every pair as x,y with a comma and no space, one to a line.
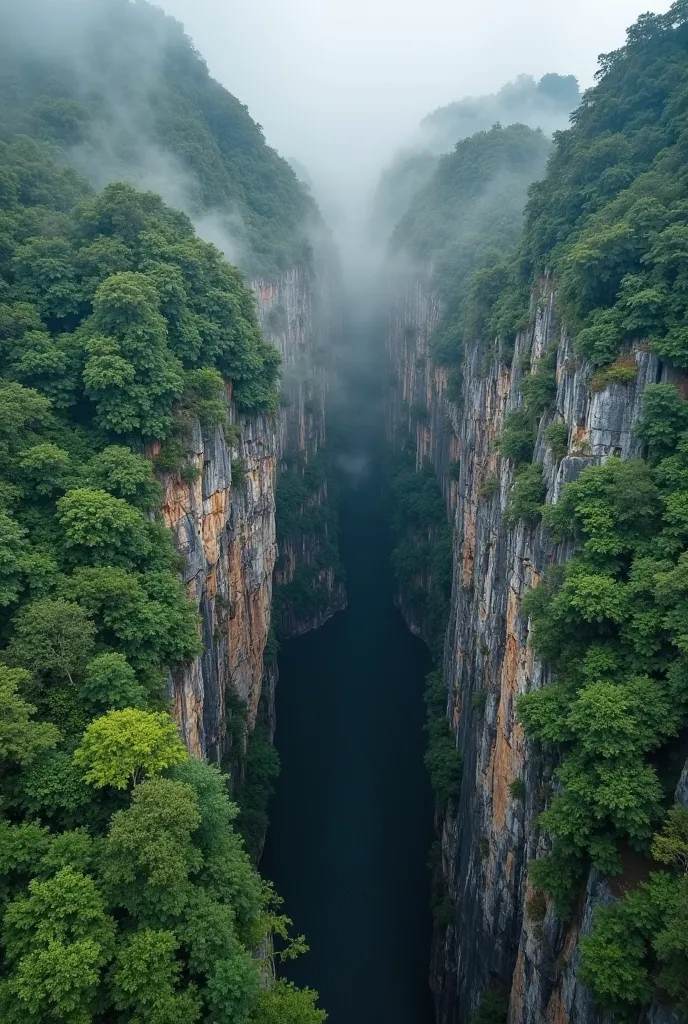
301,316
221,509
488,836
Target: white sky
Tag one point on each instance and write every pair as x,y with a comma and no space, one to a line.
338,84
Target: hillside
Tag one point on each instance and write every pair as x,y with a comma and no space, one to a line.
559,439
469,214
546,105
120,91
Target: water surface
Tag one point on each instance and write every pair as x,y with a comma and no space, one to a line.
351,821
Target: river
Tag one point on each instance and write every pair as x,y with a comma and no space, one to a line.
351,820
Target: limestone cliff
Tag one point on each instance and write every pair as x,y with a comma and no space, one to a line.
221,509
488,836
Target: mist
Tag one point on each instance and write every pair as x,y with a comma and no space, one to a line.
341,85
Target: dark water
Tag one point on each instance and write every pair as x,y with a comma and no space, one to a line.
351,821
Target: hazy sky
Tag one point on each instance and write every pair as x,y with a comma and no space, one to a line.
339,83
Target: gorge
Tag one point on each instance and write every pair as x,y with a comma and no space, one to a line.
409,516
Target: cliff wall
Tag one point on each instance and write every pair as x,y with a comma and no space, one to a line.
488,836
221,509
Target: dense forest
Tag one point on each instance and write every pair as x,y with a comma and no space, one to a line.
608,221
126,893
119,89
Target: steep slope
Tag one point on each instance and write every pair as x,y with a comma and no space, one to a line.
546,105
118,91
126,887
565,431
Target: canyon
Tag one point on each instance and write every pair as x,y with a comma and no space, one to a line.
488,835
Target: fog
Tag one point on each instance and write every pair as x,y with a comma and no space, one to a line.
341,84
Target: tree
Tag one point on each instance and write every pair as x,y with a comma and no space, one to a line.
110,682
53,637
125,475
102,529
57,941
146,980
12,548
282,1003
46,466
125,747
150,855
21,738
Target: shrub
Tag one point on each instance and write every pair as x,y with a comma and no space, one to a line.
479,700
526,497
517,788
539,389
536,906
489,486
516,440
454,471
557,438
239,472
493,1009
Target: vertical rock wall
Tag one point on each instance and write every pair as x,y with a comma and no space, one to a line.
225,528
488,836
301,316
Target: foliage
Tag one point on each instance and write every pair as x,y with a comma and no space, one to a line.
128,746
516,439
261,769
648,923
526,497
93,98
442,759
467,217
422,538
306,514
284,1004
493,1008
609,623
517,788
557,439
125,889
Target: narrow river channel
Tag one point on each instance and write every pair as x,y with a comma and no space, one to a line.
351,820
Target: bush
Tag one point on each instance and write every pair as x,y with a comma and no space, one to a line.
539,389
526,497
239,472
517,788
454,471
557,438
442,759
516,440
536,906
493,1009
479,700
624,370
489,487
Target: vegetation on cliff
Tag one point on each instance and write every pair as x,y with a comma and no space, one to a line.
422,552
610,623
468,217
125,889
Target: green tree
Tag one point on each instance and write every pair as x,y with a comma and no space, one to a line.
110,682
21,738
125,747
102,529
57,941
146,980
284,1004
53,637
